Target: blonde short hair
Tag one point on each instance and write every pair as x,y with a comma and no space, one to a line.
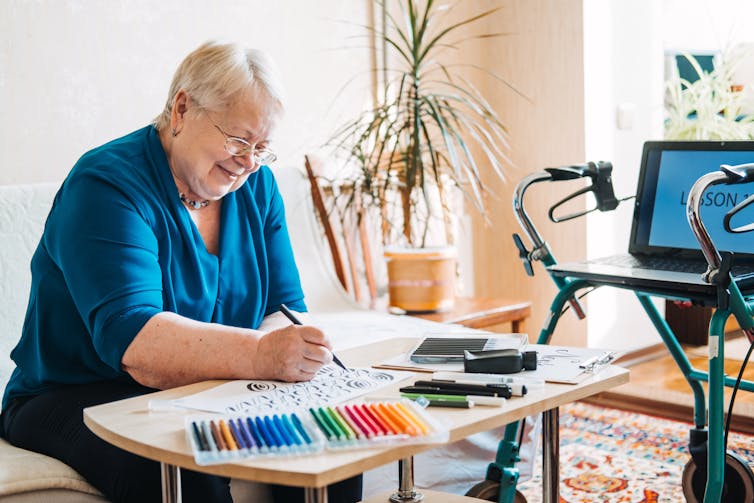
215,73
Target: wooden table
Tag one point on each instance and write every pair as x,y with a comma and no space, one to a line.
484,312
160,436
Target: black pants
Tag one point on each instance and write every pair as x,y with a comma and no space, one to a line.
53,424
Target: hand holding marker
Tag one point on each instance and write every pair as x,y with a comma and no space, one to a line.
288,314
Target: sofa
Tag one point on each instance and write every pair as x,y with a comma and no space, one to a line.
30,477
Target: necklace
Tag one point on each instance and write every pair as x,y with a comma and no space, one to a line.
195,205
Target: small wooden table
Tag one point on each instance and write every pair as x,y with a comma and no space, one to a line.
160,436
484,312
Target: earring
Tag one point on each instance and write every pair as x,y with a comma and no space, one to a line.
175,133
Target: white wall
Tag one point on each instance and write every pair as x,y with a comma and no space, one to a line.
76,73
624,44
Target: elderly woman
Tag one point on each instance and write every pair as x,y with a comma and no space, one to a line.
164,261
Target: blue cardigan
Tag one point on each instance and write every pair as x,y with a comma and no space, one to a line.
119,247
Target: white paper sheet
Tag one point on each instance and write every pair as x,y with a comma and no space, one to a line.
331,385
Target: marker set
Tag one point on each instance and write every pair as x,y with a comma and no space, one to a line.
223,439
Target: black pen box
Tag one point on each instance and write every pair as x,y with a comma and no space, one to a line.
222,438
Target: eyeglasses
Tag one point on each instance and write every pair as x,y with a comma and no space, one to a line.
238,147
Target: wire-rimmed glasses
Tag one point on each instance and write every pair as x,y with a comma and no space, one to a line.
238,147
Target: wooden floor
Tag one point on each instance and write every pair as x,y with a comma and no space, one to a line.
658,388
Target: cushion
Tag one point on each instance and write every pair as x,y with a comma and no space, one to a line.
23,211
26,471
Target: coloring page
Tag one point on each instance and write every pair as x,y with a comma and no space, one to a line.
330,386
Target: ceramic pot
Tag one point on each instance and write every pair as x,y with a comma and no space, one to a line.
421,279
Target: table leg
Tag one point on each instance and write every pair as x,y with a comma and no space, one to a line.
406,491
171,483
551,456
315,494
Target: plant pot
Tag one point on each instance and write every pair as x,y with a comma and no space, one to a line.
421,279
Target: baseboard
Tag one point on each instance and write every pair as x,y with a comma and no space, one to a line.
641,355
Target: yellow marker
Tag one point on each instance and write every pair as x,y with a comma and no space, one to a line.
411,415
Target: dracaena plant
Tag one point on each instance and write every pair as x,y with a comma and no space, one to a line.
431,136
713,107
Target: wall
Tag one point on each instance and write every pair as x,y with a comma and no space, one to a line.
74,74
626,70
621,70
542,58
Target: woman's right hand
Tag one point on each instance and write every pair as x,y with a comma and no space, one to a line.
292,353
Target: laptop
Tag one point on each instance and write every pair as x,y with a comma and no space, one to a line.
664,256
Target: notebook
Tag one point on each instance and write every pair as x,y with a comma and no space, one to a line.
664,256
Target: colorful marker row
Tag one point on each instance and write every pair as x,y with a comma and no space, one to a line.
220,440
261,434
354,422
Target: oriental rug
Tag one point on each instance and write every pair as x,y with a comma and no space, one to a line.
610,455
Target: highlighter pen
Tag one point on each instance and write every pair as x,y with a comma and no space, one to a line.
288,314
492,401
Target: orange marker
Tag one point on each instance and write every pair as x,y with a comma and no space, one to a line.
227,436
394,426
411,416
379,419
404,425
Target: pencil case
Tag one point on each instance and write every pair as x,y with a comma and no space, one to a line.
222,438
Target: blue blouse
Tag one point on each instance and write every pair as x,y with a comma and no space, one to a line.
119,247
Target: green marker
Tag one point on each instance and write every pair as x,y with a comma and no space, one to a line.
456,401
350,434
324,426
330,420
431,396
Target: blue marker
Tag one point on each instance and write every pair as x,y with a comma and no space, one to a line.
273,429
201,442
208,436
291,430
237,435
245,433
283,431
268,438
300,428
257,435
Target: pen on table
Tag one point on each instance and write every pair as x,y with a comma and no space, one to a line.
478,378
595,361
515,389
288,314
470,389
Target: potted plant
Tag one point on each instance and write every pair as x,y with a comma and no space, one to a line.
429,141
711,107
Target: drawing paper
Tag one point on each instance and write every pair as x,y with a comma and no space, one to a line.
330,386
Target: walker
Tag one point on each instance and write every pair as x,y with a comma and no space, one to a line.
712,474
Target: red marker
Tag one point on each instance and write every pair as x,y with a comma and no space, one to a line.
373,430
375,421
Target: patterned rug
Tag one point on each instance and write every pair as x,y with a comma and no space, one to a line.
608,455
